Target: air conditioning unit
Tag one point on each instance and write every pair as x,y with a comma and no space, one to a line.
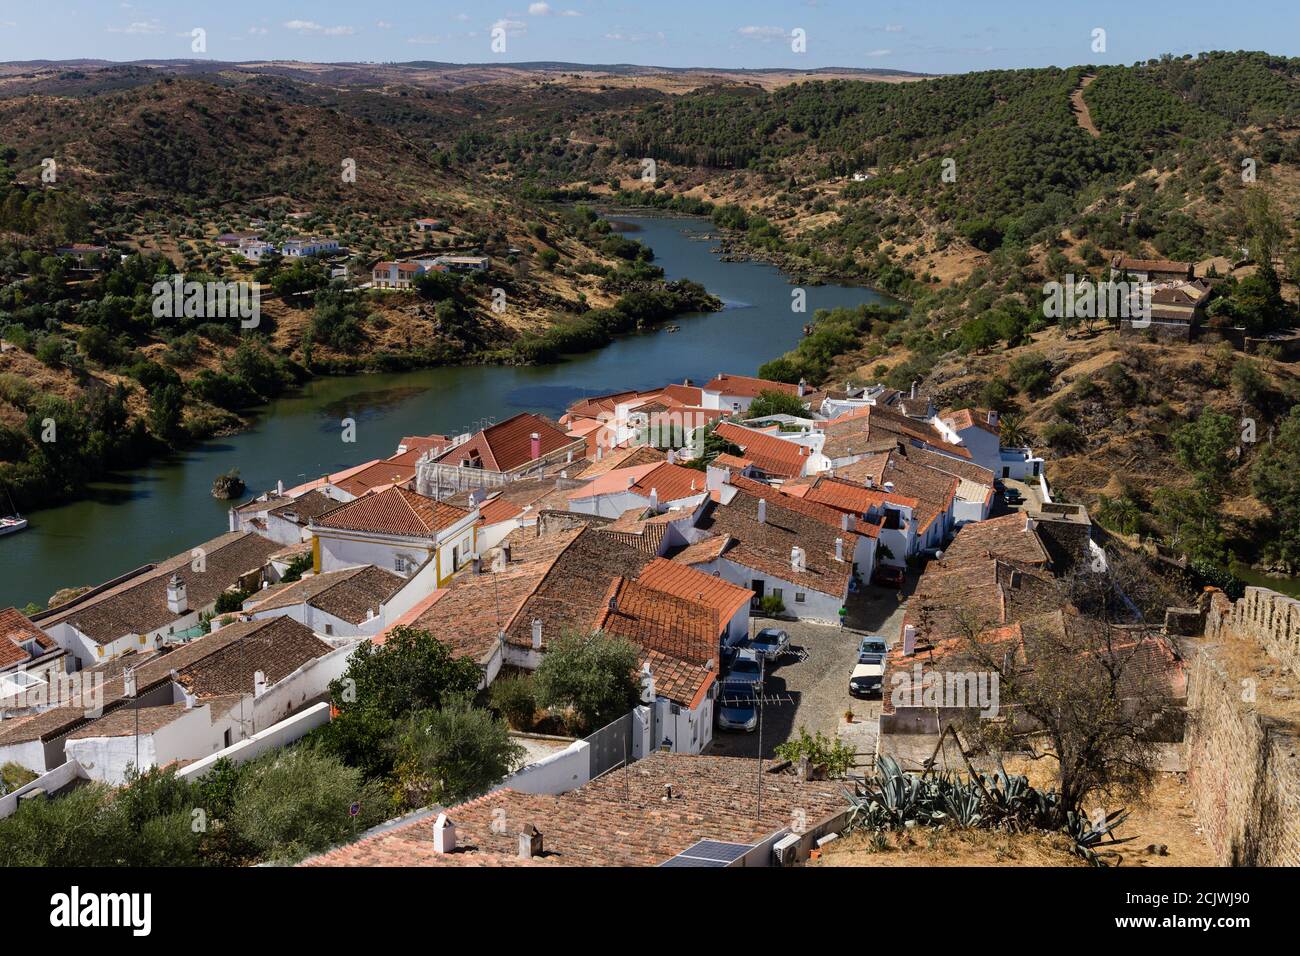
785,850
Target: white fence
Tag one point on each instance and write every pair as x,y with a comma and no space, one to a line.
274,737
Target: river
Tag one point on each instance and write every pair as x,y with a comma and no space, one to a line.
151,513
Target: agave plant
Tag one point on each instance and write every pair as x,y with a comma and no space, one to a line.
1088,836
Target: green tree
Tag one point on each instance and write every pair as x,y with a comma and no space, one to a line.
772,402
294,802
592,675
1275,480
452,754
1203,444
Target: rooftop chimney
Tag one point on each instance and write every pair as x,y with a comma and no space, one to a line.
444,835
530,842
839,549
909,639
535,445
889,487
844,522
177,600
993,418
654,499
914,389
631,480
798,560
505,554
803,387
762,511
477,564
537,633
259,684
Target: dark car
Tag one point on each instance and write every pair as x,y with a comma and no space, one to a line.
769,643
737,708
888,577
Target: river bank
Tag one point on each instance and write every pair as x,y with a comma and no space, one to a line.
145,514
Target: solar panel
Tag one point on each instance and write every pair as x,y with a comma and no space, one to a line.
709,853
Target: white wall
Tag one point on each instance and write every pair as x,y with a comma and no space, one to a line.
559,772
817,606
338,550
272,738
51,782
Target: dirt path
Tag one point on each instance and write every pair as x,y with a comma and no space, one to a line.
1081,114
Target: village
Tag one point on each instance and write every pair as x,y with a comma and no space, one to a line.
783,559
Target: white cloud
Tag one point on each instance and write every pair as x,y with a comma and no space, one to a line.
620,37
258,31
539,9
310,26
879,52
513,28
570,13
894,28
139,27
424,39
383,25
763,34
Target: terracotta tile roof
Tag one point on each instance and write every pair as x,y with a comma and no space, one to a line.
126,721
638,528
967,470
333,479
846,495
933,490
964,418
672,482
614,482
395,511
496,510
796,499
776,456
680,634
622,458
676,578
1007,537
691,396
348,594
423,443
381,474
277,647
151,671
139,605
262,504
857,432
16,629
704,551
985,591
619,819
746,386
302,509
507,445
593,405
766,547
725,460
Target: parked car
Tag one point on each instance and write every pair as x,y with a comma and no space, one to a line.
1012,496
737,708
868,675
888,576
873,644
770,643
746,668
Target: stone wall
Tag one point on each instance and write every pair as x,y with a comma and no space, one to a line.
1243,765
1264,616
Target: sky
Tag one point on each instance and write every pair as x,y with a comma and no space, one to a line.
930,36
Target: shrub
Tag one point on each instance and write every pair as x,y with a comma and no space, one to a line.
514,699
771,605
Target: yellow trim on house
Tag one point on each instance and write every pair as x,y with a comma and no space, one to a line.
315,554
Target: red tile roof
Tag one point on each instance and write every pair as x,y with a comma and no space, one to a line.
746,386
15,629
776,456
507,445
683,581
965,418
380,474
395,511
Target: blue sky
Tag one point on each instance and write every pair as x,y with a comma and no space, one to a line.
934,36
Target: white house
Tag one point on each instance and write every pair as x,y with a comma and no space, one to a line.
659,485
303,246
398,530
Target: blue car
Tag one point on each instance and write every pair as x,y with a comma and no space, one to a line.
746,668
769,643
737,708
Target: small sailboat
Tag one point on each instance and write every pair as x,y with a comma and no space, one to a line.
12,523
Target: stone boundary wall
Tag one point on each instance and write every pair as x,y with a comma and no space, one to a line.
1243,767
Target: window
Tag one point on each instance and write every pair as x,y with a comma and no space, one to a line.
778,593
455,558
800,597
399,564
329,629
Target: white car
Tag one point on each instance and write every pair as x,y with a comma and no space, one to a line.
868,676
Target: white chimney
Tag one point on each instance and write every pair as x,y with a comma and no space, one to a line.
177,601
844,522
672,456
889,487
798,561
631,480
914,389
647,684
803,387
530,842
654,499
234,521
1030,524
762,511
537,633
993,418
444,835
839,549
909,639
259,684
279,489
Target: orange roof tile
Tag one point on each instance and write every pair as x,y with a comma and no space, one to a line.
394,511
